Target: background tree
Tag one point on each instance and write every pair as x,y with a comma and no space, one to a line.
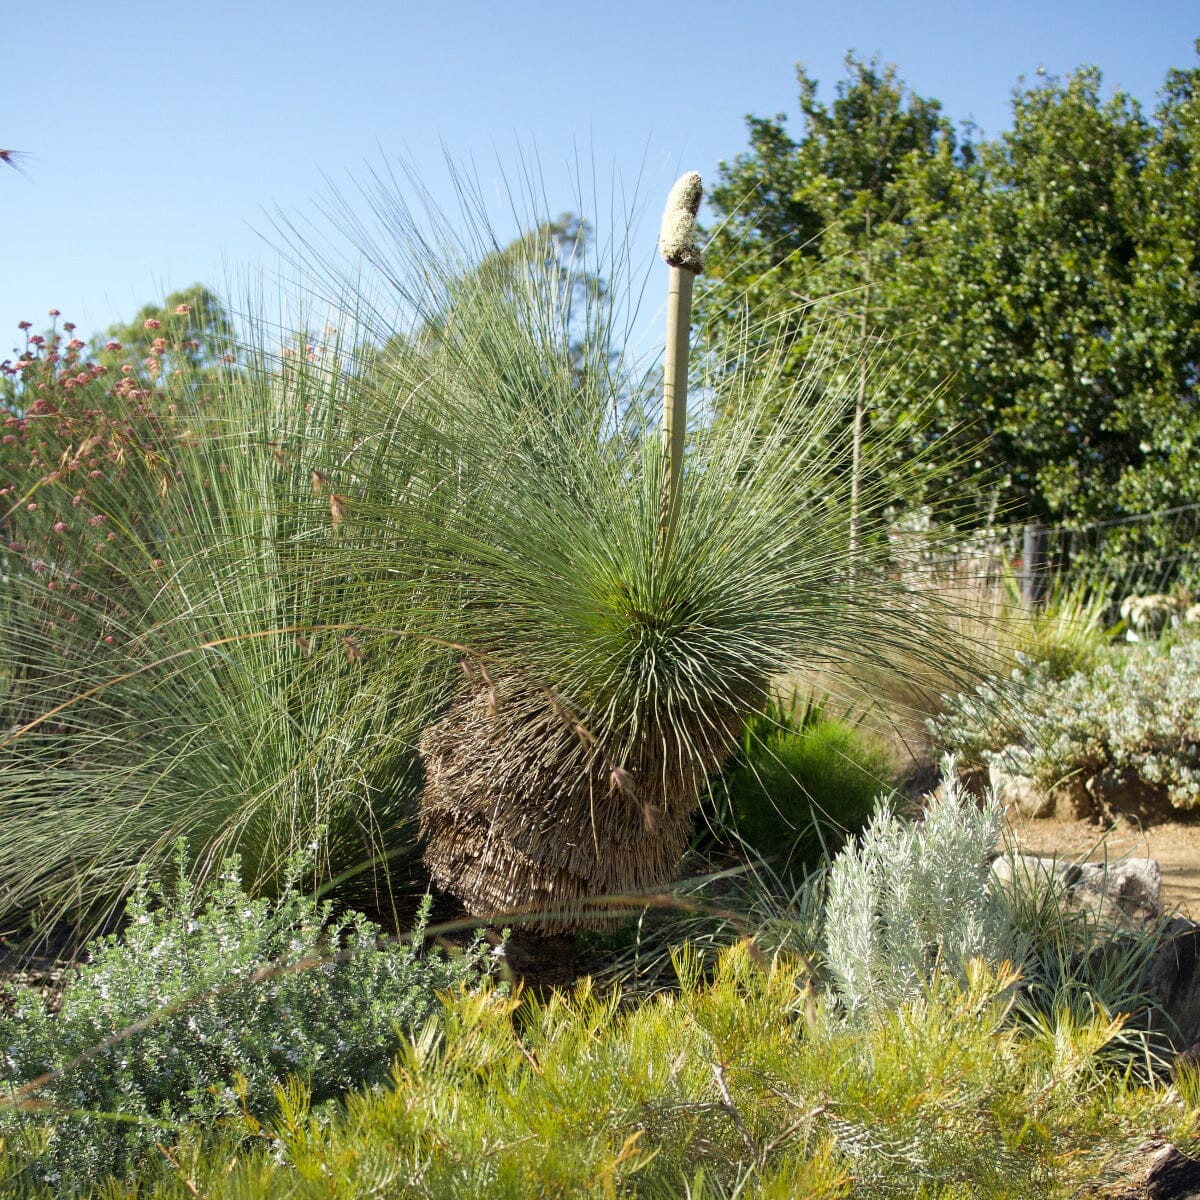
1020,299
543,265
1164,303
809,228
1043,285
191,329
794,215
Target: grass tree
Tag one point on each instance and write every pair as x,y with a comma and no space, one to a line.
161,675
606,670
441,548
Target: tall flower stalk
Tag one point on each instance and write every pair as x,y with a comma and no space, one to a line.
677,245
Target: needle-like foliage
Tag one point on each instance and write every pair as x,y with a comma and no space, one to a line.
187,676
609,670
471,475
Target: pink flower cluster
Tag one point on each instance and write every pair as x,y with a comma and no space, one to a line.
72,430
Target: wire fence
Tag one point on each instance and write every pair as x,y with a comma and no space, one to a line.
1141,554
1137,555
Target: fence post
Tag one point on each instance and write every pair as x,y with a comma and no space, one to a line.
1035,574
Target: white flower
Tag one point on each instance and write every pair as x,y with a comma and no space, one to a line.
677,234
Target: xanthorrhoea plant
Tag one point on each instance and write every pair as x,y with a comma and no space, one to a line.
607,670
160,675
479,484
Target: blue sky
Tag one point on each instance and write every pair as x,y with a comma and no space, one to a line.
162,137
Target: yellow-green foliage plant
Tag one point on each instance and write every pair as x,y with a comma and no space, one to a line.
743,1083
1068,633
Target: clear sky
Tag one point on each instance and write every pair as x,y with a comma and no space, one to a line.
161,137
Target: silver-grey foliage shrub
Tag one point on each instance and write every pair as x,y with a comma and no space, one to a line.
911,898
1142,715
240,994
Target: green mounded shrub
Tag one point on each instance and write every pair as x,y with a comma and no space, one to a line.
200,1010
801,782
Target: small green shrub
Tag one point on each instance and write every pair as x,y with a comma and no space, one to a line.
1079,966
737,1083
710,909
199,1011
801,783
911,899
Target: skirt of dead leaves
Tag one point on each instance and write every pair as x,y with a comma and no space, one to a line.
524,810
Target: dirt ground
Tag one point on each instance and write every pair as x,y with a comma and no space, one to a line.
1174,844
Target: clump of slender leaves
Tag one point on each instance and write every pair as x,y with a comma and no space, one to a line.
168,667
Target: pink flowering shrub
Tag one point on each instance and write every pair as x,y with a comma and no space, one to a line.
90,445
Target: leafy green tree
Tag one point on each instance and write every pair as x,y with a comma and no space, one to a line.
810,228
1164,305
546,281
799,220
191,329
1042,286
1021,300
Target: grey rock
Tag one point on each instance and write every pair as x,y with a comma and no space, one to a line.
1173,1175
1172,976
1032,870
1133,886
1010,774
1124,893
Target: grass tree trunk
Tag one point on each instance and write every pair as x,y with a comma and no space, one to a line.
523,807
518,814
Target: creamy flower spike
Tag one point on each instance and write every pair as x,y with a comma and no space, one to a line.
677,234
